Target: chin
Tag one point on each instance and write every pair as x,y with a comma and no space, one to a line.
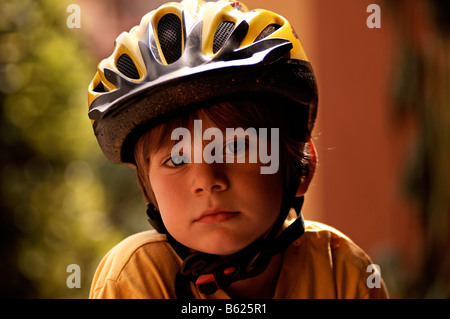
222,245
221,251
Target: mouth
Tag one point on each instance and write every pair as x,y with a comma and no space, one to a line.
214,216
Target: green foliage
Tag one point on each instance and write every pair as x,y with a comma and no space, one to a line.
59,200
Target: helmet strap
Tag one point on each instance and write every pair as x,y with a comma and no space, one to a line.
154,218
212,272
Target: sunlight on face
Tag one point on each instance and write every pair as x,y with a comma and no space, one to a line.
217,208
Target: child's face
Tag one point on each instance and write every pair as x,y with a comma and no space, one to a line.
217,208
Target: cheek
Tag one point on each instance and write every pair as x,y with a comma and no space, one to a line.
270,194
263,192
168,198
266,186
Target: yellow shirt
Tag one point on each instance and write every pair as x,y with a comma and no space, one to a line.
323,263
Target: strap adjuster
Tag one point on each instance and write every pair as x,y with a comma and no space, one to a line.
207,283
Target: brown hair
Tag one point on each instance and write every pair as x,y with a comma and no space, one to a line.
262,111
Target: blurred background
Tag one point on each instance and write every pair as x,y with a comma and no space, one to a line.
383,138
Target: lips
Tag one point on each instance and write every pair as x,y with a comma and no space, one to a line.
217,215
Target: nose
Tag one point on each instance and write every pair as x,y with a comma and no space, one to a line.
208,178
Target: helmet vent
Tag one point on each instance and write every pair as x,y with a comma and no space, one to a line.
271,28
100,88
170,37
222,34
126,66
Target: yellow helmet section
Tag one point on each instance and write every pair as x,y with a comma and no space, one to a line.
212,15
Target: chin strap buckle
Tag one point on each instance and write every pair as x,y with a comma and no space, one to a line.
209,283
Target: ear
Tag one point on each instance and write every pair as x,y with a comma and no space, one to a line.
306,180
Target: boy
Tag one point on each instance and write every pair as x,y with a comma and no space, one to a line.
214,105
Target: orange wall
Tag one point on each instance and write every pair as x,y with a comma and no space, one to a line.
361,149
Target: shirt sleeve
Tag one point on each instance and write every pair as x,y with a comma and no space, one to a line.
140,267
356,276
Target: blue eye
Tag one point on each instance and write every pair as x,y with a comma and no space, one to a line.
235,147
176,161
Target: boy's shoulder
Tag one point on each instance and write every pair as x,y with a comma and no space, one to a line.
139,240
129,267
341,248
314,228
142,245
325,263
147,246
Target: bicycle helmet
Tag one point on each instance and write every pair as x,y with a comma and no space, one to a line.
190,52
